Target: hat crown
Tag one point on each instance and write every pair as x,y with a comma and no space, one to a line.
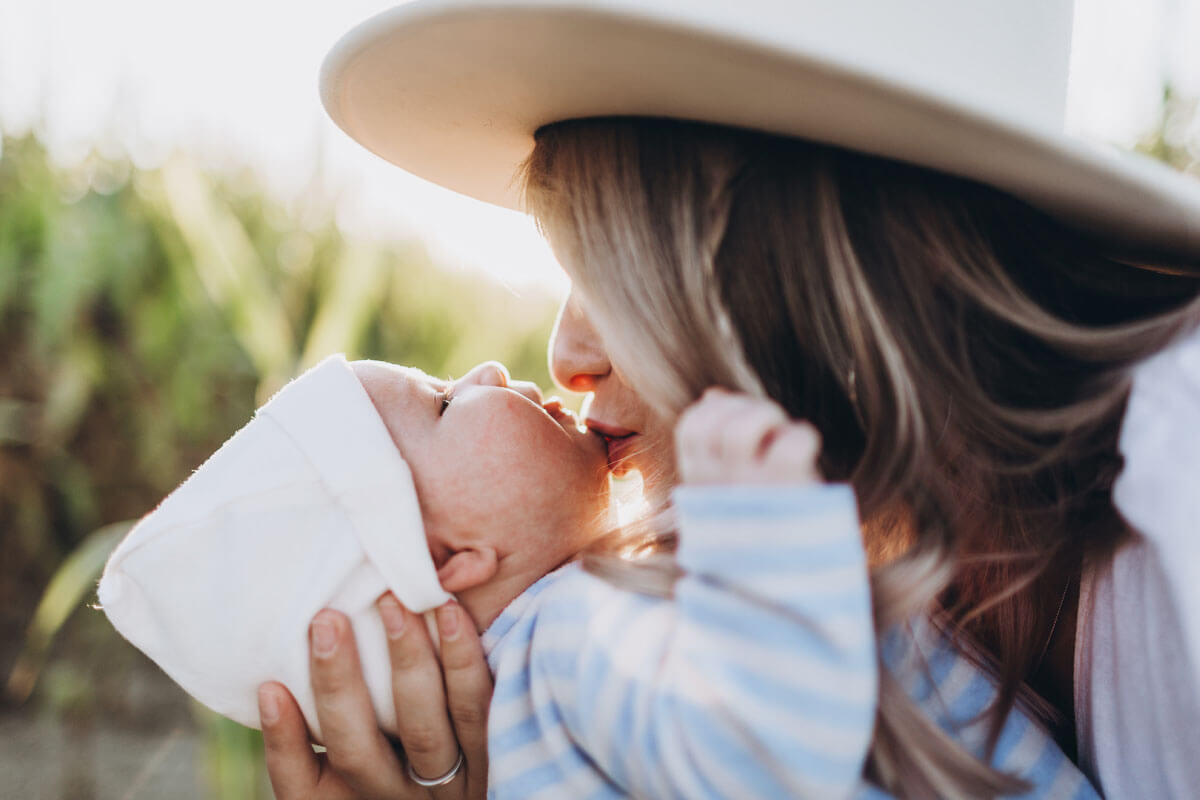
1004,58
454,90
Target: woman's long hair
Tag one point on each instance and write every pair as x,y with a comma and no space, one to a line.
965,358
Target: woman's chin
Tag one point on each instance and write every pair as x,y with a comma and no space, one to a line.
621,453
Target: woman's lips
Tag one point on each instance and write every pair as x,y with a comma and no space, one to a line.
621,442
606,430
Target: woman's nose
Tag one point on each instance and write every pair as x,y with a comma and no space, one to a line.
577,359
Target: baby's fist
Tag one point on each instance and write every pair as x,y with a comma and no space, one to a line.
735,438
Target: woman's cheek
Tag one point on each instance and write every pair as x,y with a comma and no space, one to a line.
655,460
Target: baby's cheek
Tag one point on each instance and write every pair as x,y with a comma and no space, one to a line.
541,489
502,485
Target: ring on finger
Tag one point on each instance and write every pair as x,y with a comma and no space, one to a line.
441,780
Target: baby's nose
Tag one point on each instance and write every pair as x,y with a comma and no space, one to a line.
489,373
493,373
527,388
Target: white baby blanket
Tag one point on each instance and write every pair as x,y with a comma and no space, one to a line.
309,506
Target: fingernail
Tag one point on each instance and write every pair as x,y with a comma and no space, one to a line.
268,707
392,615
324,637
447,617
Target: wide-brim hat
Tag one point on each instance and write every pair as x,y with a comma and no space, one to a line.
453,91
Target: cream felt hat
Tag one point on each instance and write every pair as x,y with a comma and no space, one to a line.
453,91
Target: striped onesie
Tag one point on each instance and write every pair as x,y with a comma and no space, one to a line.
758,679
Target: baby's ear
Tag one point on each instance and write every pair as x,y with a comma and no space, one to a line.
468,568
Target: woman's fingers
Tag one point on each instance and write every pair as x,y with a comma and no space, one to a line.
468,691
355,746
359,761
424,725
291,763
295,770
441,707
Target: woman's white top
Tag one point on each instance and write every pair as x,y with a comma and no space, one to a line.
1137,645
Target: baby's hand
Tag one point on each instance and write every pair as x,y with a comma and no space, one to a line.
735,438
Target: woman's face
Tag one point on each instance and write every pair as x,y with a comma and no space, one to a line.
635,436
492,465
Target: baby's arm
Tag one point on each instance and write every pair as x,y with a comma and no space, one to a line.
759,679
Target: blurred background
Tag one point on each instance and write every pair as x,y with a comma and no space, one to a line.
181,231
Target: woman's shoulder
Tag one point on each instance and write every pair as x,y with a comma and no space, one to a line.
1137,650
1157,490
1137,699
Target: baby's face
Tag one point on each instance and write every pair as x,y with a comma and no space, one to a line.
494,468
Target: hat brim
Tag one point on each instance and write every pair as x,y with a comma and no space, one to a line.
454,94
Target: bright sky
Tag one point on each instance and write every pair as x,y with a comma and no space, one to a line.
234,81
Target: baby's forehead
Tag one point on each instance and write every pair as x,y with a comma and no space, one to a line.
422,377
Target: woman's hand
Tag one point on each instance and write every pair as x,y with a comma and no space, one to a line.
735,438
439,708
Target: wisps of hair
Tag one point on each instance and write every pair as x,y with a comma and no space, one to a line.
964,358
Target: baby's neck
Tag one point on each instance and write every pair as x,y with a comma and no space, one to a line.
484,603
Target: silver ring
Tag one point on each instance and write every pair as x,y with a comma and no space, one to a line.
441,780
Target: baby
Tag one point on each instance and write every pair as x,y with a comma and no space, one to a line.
481,503
509,487
757,677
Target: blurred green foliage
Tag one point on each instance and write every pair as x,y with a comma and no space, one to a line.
1175,139
143,316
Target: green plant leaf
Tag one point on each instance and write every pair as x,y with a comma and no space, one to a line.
232,756
73,579
232,273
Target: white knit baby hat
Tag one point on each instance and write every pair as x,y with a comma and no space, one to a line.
309,506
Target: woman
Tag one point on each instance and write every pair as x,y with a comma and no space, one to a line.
965,356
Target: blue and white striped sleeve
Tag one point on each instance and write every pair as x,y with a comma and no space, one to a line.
758,680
